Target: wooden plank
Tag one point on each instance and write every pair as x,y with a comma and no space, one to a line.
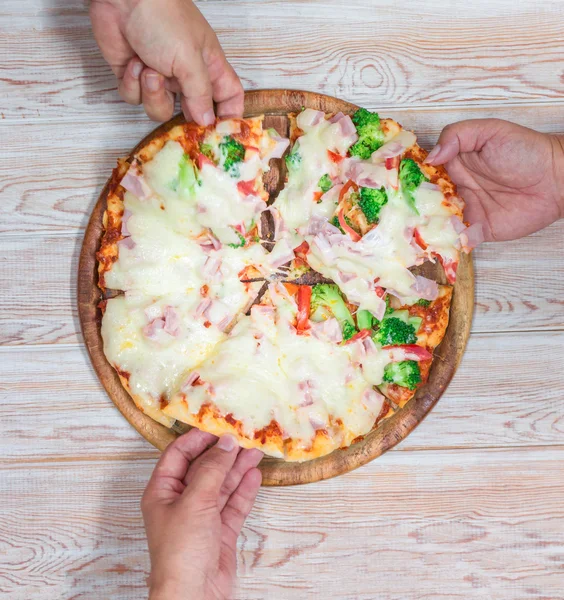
381,53
516,283
478,524
516,287
38,280
55,408
52,174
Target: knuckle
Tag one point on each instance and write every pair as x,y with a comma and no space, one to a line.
448,129
145,502
157,112
210,463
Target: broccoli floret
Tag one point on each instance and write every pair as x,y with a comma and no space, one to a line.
371,202
389,309
411,177
348,331
395,332
370,134
405,373
325,183
403,315
335,222
242,241
186,176
424,303
327,296
232,153
207,150
363,118
364,319
294,159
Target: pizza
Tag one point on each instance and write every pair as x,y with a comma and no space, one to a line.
297,325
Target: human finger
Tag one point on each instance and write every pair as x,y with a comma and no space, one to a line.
227,89
130,85
246,460
239,505
158,102
464,136
166,482
197,99
213,467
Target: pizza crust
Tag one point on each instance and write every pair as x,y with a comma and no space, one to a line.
210,419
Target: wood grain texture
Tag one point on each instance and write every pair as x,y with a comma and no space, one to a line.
420,523
63,412
276,104
369,52
479,524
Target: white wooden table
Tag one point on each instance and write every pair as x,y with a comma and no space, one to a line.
471,505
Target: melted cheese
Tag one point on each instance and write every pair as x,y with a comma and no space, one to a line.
295,202
162,260
162,173
264,371
220,204
386,253
213,202
155,367
435,225
385,256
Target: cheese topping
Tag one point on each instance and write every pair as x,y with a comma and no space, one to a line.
177,334
155,361
264,371
295,202
385,254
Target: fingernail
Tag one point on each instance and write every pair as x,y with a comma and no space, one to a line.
136,69
152,81
227,443
433,154
209,117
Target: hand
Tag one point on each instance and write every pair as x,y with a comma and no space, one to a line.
157,48
194,507
511,177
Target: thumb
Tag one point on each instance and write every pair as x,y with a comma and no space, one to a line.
212,469
464,136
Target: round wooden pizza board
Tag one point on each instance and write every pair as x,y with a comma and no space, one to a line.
275,104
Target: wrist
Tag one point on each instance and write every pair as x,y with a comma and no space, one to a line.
558,170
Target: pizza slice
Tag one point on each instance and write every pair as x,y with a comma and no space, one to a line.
152,341
366,176
428,321
203,183
183,288
284,383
